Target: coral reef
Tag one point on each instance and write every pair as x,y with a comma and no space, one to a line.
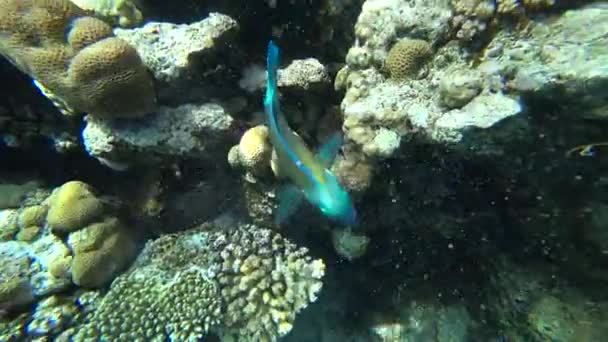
375,109
49,244
474,149
75,60
248,282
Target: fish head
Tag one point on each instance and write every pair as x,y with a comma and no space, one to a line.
335,202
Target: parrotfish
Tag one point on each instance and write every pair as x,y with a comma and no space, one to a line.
309,173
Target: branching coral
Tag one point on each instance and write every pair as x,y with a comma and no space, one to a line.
265,281
75,59
248,283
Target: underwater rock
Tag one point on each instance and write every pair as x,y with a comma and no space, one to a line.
566,319
459,88
384,113
188,131
247,282
426,322
511,293
595,232
301,74
563,61
355,175
15,289
177,54
11,195
348,244
483,112
25,269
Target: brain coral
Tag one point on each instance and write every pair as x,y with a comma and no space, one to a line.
101,250
100,243
73,206
248,282
406,57
253,153
75,59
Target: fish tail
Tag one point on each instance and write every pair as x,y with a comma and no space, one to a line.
272,64
271,101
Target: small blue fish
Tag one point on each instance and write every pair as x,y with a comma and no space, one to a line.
309,174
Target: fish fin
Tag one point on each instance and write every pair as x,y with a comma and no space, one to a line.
290,198
329,150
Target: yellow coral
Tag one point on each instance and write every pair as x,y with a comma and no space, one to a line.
508,7
254,148
86,31
32,216
75,59
28,233
406,57
73,206
537,4
100,251
253,151
123,11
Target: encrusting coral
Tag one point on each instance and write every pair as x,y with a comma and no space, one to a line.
75,59
406,58
249,283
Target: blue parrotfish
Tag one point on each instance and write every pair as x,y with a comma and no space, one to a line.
309,174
